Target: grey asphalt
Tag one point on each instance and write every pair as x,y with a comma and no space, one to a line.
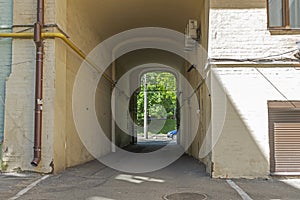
94,181
12,183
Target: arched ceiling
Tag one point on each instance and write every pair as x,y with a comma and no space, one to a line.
110,17
145,56
90,22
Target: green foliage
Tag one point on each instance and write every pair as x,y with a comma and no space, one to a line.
170,124
161,94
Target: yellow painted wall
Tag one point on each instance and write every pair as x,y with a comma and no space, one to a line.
202,94
59,135
88,24
68,148
82,34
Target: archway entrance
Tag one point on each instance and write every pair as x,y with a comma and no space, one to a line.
155,109
78,100
156,105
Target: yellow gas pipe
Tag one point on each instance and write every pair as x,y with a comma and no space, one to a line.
63,38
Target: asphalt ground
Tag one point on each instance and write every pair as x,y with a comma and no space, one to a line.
95,181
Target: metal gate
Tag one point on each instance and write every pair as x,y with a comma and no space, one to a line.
284,134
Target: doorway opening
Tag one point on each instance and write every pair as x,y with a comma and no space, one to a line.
156,113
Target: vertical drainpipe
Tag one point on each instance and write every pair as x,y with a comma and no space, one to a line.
38,26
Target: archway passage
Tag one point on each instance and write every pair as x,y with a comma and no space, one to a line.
130,70
83,25
115,18
153,108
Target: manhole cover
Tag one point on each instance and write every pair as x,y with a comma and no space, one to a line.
185,196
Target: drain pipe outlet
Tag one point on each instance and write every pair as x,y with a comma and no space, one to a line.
38,26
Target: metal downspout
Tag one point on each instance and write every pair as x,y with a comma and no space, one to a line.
38,26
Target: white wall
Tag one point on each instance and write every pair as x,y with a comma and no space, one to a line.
238,30
246,125
242,33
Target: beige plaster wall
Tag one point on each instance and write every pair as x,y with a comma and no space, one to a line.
82,35
202,94
236,153
59,134
20,90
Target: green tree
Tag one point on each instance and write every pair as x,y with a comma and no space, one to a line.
161,93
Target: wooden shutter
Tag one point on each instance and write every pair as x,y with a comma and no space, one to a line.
284,135
287,147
